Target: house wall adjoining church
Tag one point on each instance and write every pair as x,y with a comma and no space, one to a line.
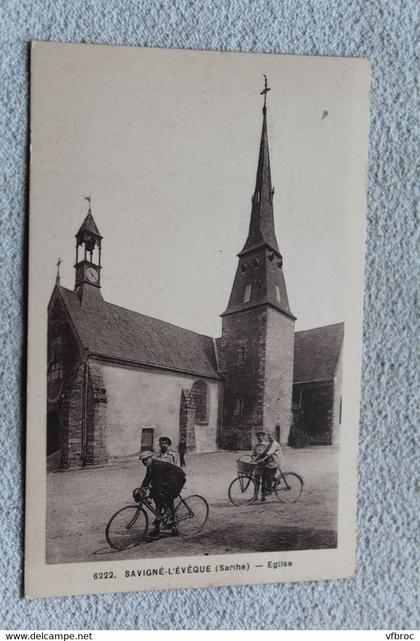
315,402
279,373
140,399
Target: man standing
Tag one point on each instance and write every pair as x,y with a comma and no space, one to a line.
165,454
274,459
182,448
258,451
165,482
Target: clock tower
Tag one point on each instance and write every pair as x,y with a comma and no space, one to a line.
88,254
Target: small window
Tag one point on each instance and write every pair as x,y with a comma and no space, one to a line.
256,262
247,295
243,268
146,439
238,407
278,294
243,352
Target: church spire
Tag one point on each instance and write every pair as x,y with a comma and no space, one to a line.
259,277
261,228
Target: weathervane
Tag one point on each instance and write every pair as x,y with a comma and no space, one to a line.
264,92
89,199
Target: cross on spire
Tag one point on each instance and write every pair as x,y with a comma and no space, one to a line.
264,93
57,278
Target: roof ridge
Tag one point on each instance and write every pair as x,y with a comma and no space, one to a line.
159,320
312,329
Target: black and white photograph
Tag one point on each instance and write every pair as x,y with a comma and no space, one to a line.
195,317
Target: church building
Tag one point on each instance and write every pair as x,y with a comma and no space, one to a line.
117,379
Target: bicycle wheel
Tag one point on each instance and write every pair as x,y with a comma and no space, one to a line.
288,487
191,514
127,527
242,490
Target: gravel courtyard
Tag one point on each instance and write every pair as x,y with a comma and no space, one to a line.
81,502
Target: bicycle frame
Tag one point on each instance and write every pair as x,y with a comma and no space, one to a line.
244,479
147,502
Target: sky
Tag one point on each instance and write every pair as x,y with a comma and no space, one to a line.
166,142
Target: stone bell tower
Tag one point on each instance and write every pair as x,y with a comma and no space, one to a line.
257,342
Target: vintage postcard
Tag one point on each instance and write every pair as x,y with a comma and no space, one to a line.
195,317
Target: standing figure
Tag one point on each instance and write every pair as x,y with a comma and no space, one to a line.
274,459
165,454
258,451
182,448
165,481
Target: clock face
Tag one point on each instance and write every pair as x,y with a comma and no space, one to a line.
92,275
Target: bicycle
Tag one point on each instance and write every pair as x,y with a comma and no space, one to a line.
243,490
128,527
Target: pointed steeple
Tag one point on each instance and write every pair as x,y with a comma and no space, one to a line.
88,226
261,228
259,277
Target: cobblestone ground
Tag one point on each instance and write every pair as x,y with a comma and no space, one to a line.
80,504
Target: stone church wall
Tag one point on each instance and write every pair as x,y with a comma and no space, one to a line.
257,349
279,373
242,361
140,399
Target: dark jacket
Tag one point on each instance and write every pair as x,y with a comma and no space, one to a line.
182,448
164,478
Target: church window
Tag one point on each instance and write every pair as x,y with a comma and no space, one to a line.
54,380
200,392
256,262
247,295
238,407
243,352
146,439
278,294
243,268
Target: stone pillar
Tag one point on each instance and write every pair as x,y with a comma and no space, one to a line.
73,435
96,415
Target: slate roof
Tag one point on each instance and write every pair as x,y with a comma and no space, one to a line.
89,225
316,353
117,333
261,227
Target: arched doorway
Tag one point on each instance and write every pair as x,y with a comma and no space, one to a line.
54,443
